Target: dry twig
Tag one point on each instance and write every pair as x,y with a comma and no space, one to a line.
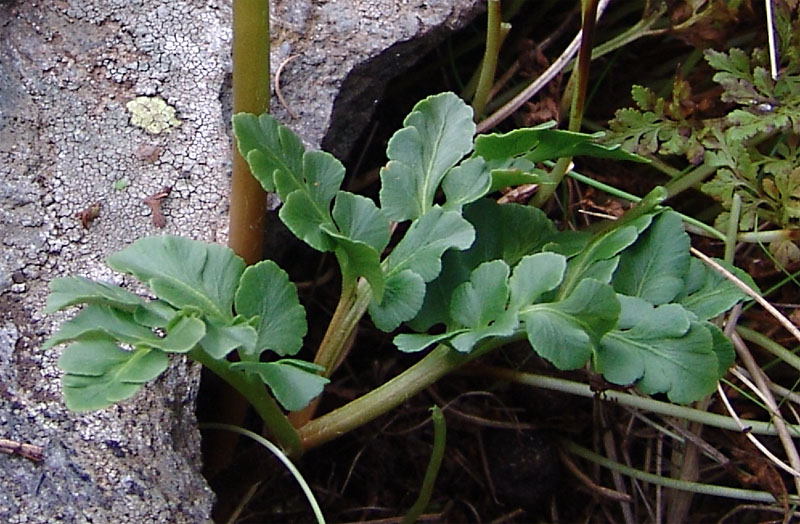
154,202
29,451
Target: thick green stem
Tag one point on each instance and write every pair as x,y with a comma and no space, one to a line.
436,364
250,94
252,389
352,305
489,66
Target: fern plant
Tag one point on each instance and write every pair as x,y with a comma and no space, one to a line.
753,150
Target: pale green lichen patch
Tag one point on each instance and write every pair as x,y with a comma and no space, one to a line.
152,114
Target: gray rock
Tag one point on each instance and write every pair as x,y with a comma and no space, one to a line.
67,141
345,52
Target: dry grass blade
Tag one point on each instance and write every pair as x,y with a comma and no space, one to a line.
278,86
761,386
555,68
778,462
590,484
780,317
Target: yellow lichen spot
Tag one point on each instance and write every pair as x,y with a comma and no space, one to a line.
152,114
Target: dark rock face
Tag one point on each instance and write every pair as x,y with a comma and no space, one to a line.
343,52
68,142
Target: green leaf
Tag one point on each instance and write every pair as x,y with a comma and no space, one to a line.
507,232
654,267
359,259
436,134
307,200
414,342
504,325
535,275
541,143
498,146
268,147
512,178
402,298
266,292
427,239
360,219
184,272
466,183
154,314
483,298
708,294
363,235
182,335
68,291
223,337
97,321
99,373
723,349
477,309
568,242
102,321
599,258
294,383
666,352
567,332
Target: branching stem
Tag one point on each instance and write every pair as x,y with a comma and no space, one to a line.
353,303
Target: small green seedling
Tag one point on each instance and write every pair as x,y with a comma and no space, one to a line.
627,300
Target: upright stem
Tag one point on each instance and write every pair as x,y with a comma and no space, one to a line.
247,200
489,66
353,303
250,94
578,99
584,61
439,441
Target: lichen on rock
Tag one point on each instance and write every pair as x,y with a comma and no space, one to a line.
152,113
